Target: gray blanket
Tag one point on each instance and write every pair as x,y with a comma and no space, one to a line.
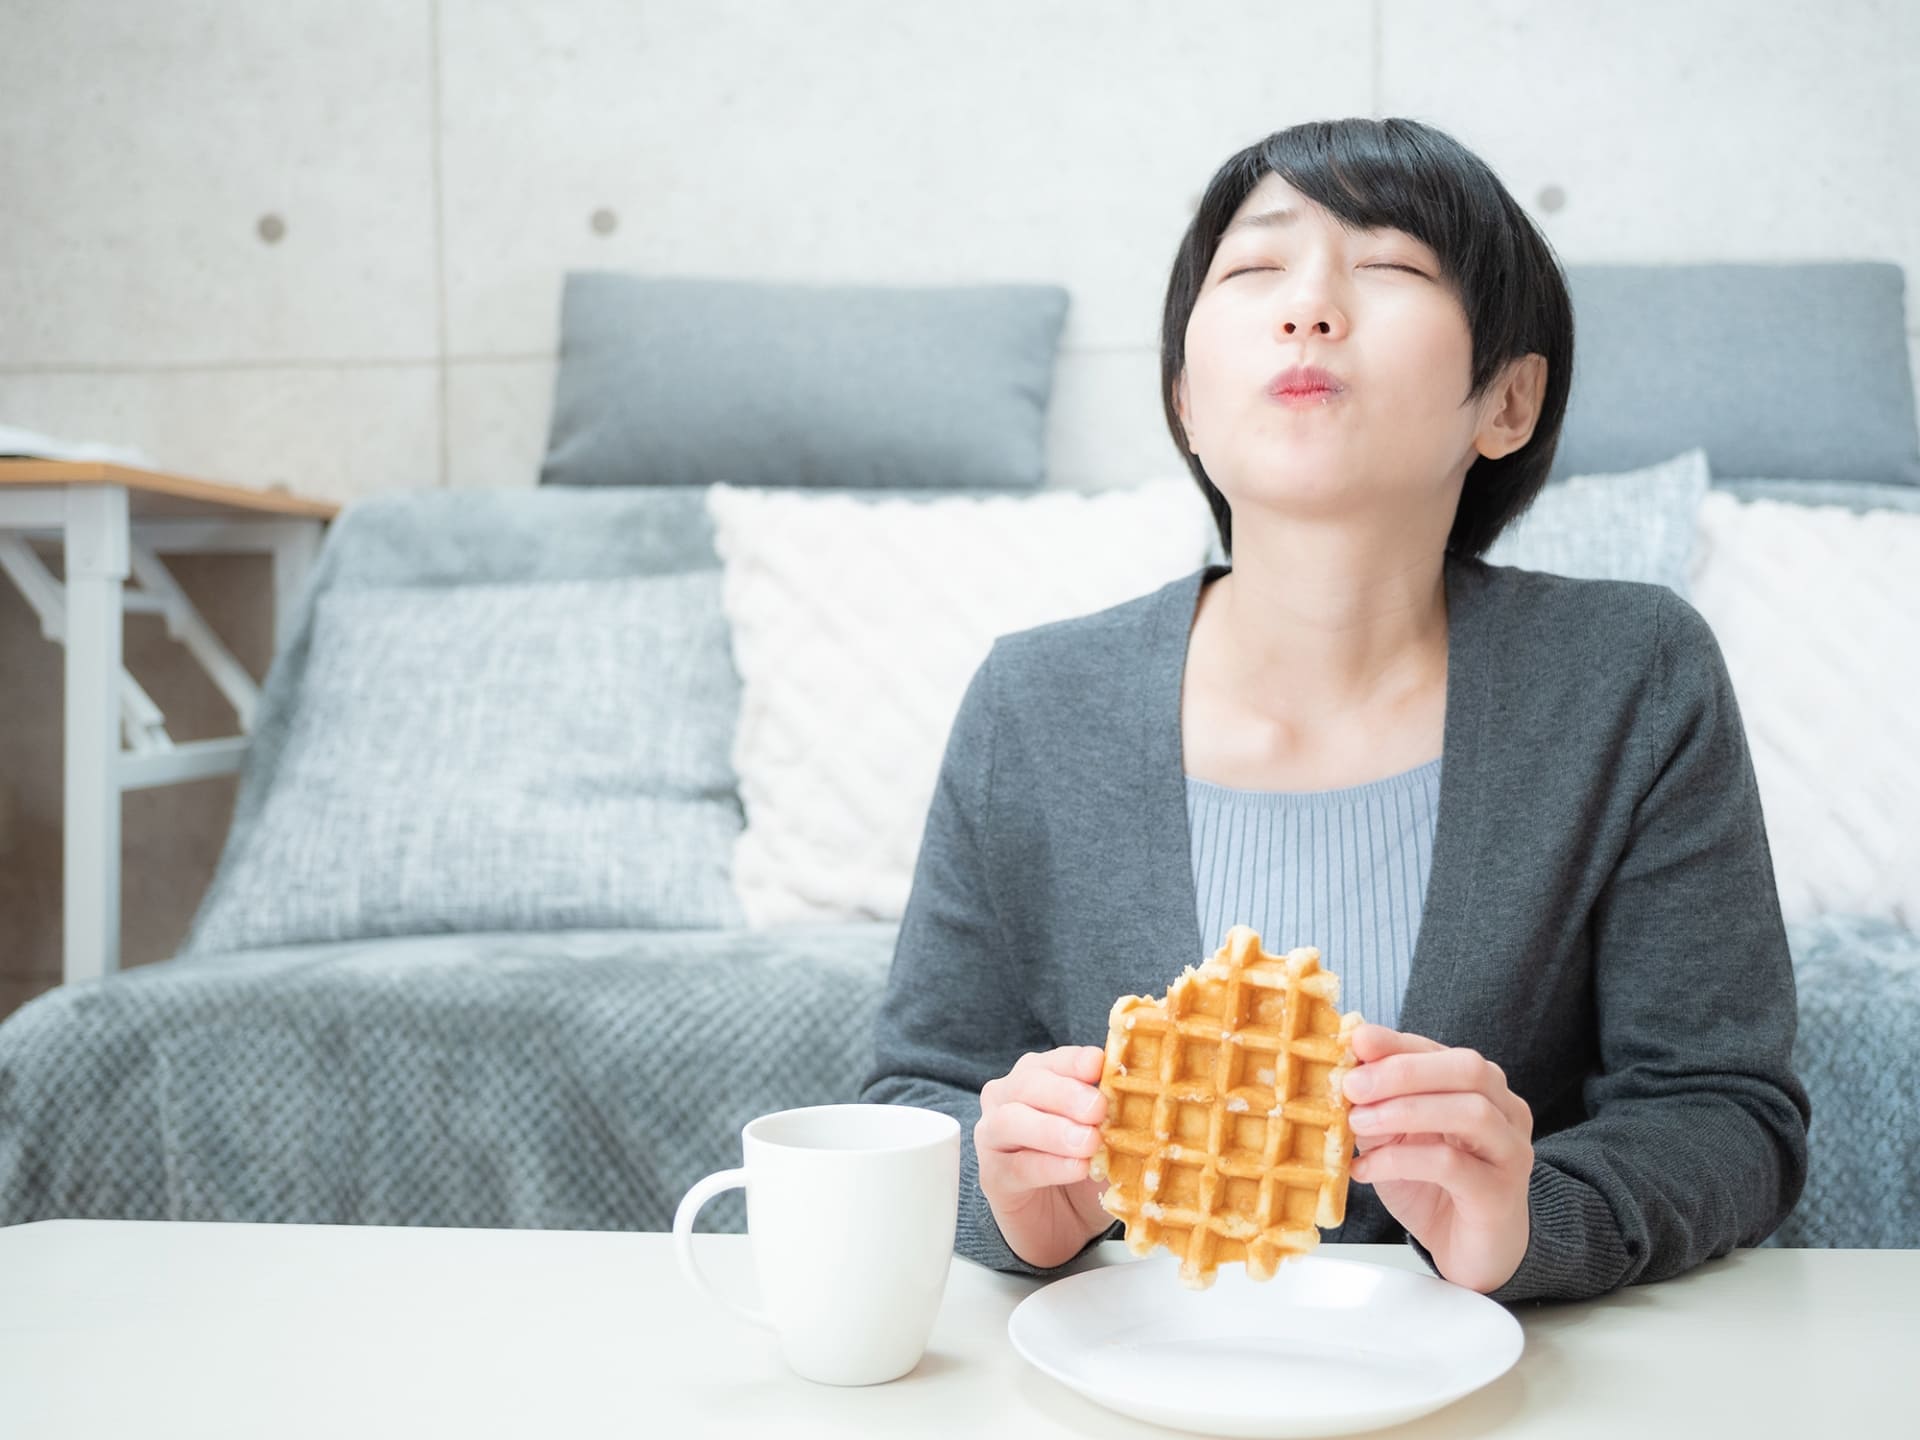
565,1080
585,1079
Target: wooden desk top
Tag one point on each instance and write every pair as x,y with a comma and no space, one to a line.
152,494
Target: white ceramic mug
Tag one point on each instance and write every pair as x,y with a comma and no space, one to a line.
850,1217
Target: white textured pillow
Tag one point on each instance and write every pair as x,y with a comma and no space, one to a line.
1814,608
856,625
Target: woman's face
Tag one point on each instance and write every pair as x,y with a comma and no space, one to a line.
1304,291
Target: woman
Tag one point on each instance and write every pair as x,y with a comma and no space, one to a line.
1515,811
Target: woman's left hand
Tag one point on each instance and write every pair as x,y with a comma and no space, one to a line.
1447,1147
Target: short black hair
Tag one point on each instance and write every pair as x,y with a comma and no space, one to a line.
1402,174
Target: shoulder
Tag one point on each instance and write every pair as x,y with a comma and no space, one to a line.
1665,622
1634,632
1107,647
1552,608
1076,697
1605,658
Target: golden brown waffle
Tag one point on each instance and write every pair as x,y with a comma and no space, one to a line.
1226,1135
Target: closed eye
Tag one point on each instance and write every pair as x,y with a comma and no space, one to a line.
1381,265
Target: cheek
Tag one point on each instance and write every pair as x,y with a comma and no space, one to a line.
1427,365
1220,340
1437,333
1206,330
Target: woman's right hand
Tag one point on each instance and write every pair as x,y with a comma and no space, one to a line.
1038,1129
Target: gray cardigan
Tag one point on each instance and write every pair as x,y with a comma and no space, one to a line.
1600,920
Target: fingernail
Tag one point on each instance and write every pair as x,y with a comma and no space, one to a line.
1361,1119
1359,1085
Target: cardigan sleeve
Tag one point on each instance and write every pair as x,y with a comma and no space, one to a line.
955,1014
1695,1139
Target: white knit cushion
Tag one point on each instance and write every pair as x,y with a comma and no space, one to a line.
856,625
1815,608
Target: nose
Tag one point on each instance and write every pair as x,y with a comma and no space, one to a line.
1311,310
1310,307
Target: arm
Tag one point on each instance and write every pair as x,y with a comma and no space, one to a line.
1696,1136
955,1012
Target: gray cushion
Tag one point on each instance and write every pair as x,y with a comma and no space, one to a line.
1777,370
432,539
528,756
1633,526
479,536
685,381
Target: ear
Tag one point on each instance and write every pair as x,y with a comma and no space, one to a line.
1514,403
1181,409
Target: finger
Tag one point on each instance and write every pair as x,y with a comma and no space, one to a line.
1065,1080
1035,1170
1083,1062
1077,1100
1366,1142
1430,1072
1078,1065
1371,1042
1467,1118
1017,1126
1406,1072
1464,1176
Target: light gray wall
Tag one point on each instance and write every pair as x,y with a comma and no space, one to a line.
432,168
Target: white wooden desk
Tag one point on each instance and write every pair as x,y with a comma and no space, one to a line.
162,1329
110,519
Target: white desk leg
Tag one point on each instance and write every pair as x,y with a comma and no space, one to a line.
295,543
96,564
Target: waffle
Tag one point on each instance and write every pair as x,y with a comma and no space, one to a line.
1226,1136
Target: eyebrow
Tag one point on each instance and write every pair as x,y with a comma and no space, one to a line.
1285,215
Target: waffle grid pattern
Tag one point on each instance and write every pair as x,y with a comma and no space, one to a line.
1226,1135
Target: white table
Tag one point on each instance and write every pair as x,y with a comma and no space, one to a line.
153,1328
108,520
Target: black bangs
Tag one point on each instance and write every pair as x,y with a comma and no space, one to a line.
1398,173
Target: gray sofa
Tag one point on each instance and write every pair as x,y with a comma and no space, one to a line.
583,1076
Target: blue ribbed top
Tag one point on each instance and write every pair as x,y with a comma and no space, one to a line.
1343,870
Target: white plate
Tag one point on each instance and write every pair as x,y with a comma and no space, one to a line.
1326,1347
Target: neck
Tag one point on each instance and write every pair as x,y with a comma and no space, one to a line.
1328,631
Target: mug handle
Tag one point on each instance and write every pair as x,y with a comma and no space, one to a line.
683,1219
